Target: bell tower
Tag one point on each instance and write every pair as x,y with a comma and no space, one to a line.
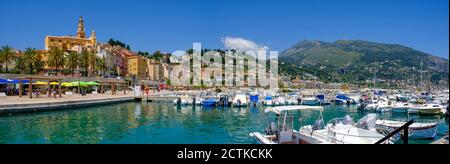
80,30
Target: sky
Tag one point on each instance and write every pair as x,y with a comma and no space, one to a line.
171,25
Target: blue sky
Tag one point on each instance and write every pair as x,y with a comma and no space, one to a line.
170,25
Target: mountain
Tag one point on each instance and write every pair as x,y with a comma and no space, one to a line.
357,60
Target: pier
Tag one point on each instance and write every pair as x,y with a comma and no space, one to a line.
16,105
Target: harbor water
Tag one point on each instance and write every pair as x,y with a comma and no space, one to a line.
160,123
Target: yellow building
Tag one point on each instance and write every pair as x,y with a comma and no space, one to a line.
154,69
137,67
70,43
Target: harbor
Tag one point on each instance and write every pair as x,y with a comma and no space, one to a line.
159,116
159,123
224,73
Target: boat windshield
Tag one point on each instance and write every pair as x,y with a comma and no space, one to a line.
347,120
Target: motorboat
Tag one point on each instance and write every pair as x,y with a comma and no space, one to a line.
240,100
342,99
427,109
279,101
322,100
209,102
336,131
426,130
224,100
383,107
268,101
254,98
181,101
401,107
310,101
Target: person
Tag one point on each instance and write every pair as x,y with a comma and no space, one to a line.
49,92
54,93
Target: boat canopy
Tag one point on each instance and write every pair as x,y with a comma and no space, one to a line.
343,97
278,110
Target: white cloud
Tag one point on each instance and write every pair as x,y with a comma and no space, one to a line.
242,44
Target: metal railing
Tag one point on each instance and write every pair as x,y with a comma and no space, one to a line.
405,136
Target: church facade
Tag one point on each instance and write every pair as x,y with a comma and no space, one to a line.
72,43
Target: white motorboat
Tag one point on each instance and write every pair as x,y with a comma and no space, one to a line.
417,130
426,109
401,107
268,101
181,101
337,131
383,107
240,100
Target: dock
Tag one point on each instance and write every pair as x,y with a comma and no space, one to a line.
15,105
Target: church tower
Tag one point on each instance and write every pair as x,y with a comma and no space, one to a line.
80,31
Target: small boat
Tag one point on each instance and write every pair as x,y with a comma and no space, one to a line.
292,100
400,107
240,100
426,109
279,101
383,107
254,99
224,100
181,101
342,99
417,130
209,102
268,101
310,101
322,100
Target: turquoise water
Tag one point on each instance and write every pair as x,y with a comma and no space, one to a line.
158,123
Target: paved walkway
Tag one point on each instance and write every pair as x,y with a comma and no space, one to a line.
12,100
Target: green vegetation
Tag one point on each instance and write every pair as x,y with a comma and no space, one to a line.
73,59
7,57
113,42
358,61
56,59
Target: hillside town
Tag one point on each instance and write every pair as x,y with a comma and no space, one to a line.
83,56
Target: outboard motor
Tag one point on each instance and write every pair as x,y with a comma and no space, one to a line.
179,101
239,102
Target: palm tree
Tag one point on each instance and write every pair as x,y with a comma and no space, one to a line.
72,61
56,59
7,56
101,65
32,61
87,60
20,66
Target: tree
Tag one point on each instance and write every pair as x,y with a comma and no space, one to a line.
56,59
88,60
101,65
73,59
20,66
7,56
32,61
